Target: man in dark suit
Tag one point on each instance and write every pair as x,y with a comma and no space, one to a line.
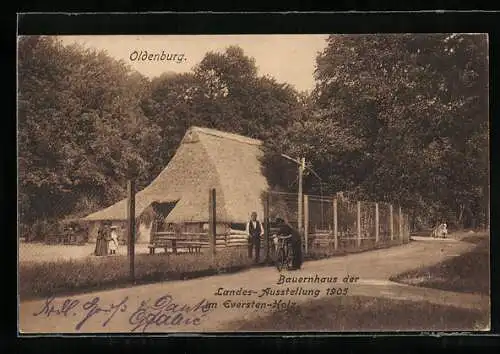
254,230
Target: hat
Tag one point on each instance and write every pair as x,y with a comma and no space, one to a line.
113,227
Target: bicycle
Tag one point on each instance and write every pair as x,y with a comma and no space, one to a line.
284,252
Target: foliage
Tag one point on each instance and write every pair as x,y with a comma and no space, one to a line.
81,130
400,118
88,122
395,118
224,92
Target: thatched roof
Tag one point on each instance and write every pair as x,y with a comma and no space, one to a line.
205,159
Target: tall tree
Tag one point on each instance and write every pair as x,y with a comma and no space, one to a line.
224,92
401,118
253,104
80,126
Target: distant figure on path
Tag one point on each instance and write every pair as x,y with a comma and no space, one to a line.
444,230
113,242
254,231
441,231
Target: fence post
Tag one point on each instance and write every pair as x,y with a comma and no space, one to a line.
408,226
405,225
376,223
266,228
212,224
406,229
391,222
359,223
306,222
300,196
131,226
400,224
335,225
154,228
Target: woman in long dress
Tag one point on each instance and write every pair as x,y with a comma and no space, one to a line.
100,244
107,238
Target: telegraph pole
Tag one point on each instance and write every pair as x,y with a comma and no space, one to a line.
131,225
301,162
302,167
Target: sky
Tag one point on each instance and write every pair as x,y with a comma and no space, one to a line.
288,58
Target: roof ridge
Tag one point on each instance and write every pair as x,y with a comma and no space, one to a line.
226,135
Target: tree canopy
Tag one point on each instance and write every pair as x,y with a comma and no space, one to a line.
81,128
87,122
399,118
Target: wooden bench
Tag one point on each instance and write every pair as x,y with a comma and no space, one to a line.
192,246
162,240
174,241
65,238
58,239
53,239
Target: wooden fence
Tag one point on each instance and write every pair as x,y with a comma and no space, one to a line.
351,224
191,241
328,223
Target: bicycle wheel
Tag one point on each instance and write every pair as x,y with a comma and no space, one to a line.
280,259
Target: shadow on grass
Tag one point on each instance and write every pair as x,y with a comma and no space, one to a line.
468,272
361,313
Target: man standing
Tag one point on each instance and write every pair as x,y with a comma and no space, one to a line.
254,231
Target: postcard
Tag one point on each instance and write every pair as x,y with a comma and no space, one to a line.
243,183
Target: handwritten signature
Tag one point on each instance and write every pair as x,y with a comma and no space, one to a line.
89,308
163,311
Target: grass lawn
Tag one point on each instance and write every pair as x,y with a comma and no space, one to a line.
360,313
469,272
40,252
60,277
46,270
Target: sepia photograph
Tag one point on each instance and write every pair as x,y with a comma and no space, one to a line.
253,183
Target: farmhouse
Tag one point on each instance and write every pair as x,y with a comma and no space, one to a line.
179,195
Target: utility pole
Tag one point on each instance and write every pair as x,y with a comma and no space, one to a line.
302,167
212,223
301,162
131,226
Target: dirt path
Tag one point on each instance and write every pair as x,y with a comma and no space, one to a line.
193,305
